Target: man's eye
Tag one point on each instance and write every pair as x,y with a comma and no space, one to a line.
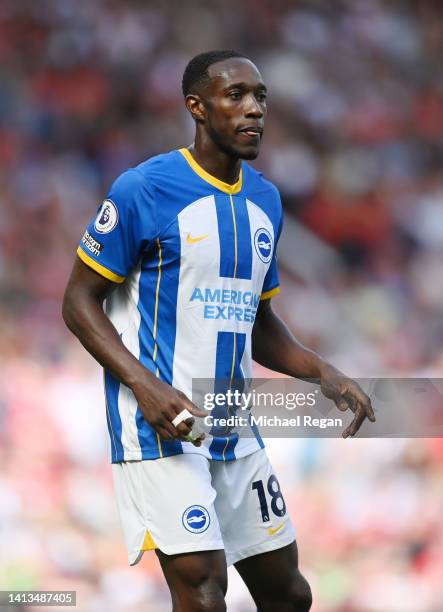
235,95
261,97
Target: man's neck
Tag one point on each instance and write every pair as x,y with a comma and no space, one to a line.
216,162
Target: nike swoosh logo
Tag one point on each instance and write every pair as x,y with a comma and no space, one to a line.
272,531
191,240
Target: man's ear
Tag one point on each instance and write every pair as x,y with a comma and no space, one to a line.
195,106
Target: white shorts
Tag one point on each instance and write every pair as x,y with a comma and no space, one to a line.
187,503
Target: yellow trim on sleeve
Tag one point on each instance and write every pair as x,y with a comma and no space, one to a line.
268,294
212,180
112,276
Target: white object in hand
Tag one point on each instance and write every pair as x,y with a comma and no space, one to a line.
182,416
195,432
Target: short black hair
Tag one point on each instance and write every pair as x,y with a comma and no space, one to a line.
196,72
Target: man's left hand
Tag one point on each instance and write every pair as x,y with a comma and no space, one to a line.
346,394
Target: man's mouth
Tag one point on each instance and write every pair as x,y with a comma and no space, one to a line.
252,131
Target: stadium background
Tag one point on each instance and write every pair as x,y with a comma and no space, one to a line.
354,141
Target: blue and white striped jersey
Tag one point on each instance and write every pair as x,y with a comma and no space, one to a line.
193,256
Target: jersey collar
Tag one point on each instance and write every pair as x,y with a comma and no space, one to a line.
226,187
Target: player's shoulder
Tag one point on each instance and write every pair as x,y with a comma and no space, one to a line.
261,190
150,172
255,182
159,167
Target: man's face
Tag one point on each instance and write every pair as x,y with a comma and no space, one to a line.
235,103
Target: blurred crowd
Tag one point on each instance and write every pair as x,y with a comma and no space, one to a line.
354,141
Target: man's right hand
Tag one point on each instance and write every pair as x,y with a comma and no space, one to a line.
160,404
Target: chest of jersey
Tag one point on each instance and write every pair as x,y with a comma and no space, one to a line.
222,246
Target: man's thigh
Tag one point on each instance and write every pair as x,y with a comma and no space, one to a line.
197,581
275,582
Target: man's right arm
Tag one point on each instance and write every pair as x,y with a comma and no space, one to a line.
83,314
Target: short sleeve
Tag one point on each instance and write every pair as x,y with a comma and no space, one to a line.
123,228
271,284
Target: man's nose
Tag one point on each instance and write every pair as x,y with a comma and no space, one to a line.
253,108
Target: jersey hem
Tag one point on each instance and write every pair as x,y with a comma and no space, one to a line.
135,556
137,455
257,549
268,294
102,270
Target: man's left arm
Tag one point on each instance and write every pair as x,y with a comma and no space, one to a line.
274,347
